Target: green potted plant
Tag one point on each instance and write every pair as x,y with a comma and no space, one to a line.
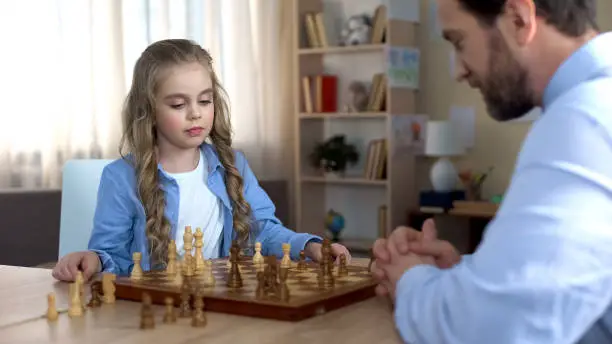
333,156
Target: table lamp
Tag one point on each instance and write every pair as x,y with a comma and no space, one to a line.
442,140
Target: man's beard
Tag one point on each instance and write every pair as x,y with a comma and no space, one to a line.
506,91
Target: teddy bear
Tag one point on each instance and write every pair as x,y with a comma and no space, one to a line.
357,30
357,97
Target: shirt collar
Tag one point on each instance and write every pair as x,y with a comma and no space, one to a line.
210,154
582,65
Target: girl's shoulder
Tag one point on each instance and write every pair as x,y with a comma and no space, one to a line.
121,170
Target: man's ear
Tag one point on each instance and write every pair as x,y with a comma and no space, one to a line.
519,21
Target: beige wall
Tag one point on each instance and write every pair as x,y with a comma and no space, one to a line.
496,144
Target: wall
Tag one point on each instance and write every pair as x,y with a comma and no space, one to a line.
496,144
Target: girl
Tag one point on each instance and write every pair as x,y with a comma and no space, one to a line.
180,171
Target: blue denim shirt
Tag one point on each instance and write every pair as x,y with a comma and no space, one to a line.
119,220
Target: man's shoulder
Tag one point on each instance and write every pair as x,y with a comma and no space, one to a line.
589,100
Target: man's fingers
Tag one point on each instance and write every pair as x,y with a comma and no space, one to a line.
429,230
381,290
401,236
380,250
378,274
88,269
438,249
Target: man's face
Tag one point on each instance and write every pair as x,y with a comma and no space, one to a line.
486,62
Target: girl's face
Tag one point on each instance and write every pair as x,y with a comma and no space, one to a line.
184,106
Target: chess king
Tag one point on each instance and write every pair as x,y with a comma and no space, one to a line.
178,169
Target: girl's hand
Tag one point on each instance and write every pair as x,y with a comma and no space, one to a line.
313,251
67,268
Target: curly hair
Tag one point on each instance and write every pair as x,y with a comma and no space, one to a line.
139,139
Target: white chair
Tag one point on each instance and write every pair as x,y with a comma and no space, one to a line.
80,181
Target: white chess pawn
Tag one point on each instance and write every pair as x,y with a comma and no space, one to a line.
76,307
286,261
257,257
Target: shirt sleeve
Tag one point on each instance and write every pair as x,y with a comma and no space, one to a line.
543,271
267,227
112,233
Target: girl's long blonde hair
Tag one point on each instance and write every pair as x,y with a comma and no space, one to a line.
140,139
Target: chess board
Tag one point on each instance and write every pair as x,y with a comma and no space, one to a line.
306,298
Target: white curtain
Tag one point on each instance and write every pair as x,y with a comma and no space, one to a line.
66,66
62,82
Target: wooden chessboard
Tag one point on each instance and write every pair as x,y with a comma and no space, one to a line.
306,299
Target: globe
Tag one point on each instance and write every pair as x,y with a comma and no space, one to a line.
334,222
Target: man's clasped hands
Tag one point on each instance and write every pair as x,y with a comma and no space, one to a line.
406,248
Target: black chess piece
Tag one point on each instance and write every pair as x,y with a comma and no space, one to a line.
284,294
147,317
326,276
234,279
96,295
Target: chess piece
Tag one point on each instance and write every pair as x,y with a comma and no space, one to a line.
137,273
234,279
188,240
283,287
178,278
271,286
188,264
171,268
342,269
199,256
108,287
208,276
260,292
147,317
199,317
76,306
52,313
185,307
326,275
80,286
301,266
96,297
169,314
286,260
257,257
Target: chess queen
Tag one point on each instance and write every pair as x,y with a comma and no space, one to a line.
178,169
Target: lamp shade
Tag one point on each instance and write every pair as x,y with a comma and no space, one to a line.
442,139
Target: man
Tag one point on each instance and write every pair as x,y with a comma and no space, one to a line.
543,271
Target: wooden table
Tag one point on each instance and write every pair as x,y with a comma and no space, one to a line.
23,303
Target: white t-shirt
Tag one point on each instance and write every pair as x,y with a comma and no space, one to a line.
198,207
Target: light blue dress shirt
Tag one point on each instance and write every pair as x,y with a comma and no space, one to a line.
543,271
119,220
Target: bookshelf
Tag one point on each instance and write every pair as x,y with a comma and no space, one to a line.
375,203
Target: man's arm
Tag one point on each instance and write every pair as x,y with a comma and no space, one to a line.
543,272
